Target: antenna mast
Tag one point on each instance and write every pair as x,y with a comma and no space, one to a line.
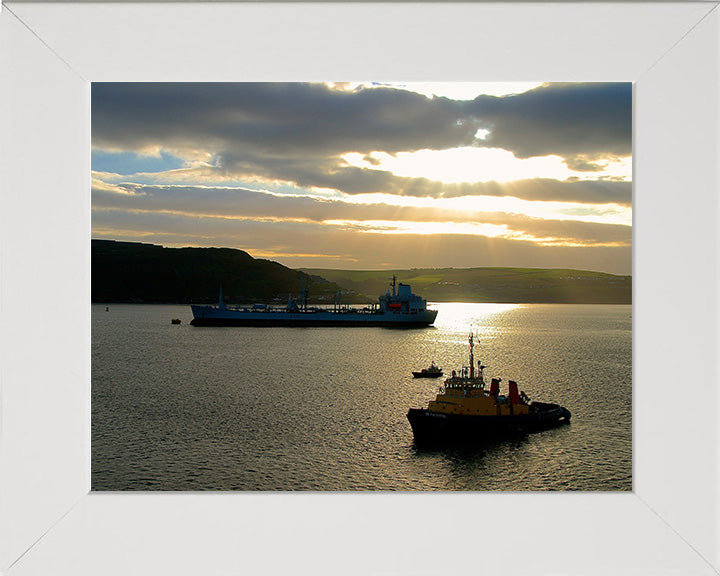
472,361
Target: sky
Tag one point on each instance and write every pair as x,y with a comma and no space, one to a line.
368,175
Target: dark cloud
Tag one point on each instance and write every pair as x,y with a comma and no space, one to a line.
322,172
594,120
583,164
273,119
354,180
541,189
334,174
220,209
288,127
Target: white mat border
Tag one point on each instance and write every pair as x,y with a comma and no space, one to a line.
51,52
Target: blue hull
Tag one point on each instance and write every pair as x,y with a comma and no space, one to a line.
213,316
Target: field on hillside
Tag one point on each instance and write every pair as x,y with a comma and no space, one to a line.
489,284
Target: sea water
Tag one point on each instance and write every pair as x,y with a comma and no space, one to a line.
177,407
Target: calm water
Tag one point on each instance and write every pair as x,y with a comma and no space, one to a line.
185,408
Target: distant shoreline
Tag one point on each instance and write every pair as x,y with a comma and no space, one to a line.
502,285
136,273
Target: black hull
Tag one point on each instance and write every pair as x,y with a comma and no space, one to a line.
433,427
306,322
425,375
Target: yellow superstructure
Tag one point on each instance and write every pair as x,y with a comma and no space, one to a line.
469,397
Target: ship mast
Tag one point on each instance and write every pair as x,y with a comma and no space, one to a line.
472,361
304,283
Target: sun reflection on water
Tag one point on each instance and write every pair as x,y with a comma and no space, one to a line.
462,318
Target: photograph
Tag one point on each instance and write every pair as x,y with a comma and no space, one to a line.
469,282
361,286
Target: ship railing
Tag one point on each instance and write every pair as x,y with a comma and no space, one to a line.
456,382
465,392
345,310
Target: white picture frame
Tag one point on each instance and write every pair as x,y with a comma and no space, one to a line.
50,523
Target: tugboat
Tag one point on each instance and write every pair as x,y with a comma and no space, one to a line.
431,371
465,410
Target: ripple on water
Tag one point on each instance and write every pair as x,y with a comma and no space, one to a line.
184,408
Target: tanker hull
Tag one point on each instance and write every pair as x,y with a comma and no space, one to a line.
212,316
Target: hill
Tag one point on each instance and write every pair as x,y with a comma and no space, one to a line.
510,285
135,272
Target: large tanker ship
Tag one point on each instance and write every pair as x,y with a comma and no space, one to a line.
396,308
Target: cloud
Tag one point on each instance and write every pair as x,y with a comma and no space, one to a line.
354,180
315,245
594,120
231,208
583,164
271,119
297,132
261,166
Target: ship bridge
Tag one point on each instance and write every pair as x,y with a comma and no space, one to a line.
402,300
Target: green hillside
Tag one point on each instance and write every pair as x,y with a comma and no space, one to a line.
135,272
513,285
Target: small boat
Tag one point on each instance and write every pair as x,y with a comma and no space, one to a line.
466,411
431,371
175,321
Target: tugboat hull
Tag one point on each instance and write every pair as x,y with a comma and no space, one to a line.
430,427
